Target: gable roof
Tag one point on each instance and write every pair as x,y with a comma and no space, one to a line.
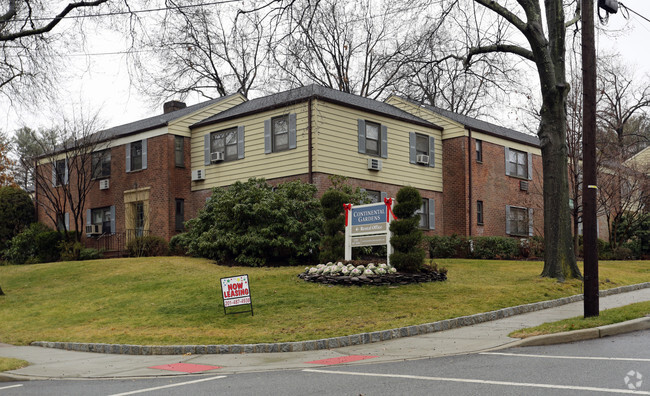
479,125
157,121
314,91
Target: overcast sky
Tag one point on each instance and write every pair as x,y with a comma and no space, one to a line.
101,82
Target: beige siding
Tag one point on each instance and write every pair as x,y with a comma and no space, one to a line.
336,148
255,162
452,129
181,125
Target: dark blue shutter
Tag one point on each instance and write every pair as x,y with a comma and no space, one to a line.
508,219
54,173
144,153
384,141
361,131
66,221
432,214
507,154
206,149
530,166
88,219
432,151
65,175
530,222
240,142
128,157
412,151
268,146
293,131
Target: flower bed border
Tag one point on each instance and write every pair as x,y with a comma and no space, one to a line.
399,278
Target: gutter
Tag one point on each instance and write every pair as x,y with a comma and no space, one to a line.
309,142
469,180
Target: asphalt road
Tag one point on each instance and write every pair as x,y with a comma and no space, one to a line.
612,365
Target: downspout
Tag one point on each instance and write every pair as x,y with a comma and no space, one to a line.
309,143
469,187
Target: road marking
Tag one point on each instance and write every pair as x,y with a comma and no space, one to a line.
168,386
567,357
12,386
484,382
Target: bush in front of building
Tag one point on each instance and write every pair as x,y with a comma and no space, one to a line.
453,246
179,244
487,248
494,247
408,256
36,244
254,224
147,246
16,213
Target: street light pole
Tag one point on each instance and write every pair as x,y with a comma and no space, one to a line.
589,186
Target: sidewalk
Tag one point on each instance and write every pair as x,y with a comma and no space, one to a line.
47,363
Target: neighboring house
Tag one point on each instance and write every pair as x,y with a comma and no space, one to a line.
492,175
475,178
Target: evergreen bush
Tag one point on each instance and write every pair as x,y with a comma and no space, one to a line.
408,256
147,246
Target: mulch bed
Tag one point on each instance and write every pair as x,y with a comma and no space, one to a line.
399,278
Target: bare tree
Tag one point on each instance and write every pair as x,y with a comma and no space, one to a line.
28,59
211,50
544,31
63,177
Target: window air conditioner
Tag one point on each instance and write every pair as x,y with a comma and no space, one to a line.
422,159
198,174
103,184
374,164
217,156
523,185
94,229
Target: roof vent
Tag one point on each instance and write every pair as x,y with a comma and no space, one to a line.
173,105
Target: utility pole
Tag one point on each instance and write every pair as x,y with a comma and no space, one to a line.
589,186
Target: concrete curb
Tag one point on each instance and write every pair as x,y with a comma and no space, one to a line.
585,334
328,343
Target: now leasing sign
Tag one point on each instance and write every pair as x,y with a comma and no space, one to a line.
367,225
236,291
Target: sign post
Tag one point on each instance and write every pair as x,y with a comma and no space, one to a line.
236,291
368,225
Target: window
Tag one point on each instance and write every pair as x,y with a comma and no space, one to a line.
179,155
225,142
519,221
479,212
136,155
373,138
102,217
280,133
479,150
427,214
101,164
60,173
180,214
374,196
424,214
517,163
421,149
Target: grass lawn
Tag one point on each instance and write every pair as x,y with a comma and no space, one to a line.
7,364
606,317
176,300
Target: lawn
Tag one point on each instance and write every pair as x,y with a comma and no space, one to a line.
176,300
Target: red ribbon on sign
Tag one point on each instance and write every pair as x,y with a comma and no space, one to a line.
389,211
347,208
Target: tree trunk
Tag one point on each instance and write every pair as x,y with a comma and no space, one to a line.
559,258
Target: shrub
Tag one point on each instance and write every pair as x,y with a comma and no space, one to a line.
254,224
16,213
36,244
494,248
90,254
332,246
70,250
178,244
446,246
408,256
147,246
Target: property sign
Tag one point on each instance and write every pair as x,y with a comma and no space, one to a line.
367,225
236,291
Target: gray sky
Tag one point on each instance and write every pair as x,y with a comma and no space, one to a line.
101,82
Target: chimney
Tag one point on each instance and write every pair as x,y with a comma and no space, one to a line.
173,105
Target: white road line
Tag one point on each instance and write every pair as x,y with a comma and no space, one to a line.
12,386
567,357
484,382
168,386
